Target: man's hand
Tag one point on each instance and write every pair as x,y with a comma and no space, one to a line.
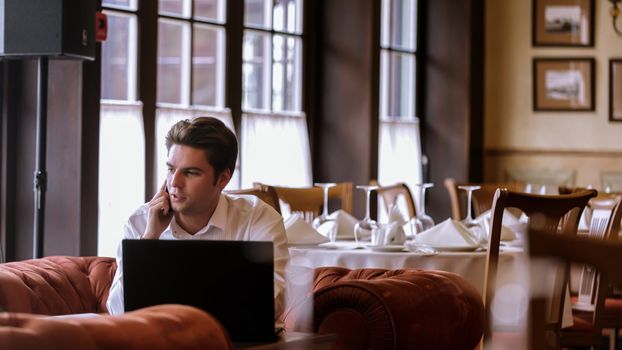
160,214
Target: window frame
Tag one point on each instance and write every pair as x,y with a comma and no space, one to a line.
232,22
299,37
132,79
190,21
387,49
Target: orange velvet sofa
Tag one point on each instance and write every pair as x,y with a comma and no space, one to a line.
366,309
397,309
59,285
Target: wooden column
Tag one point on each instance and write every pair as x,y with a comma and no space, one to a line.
72,155
346,127
452,122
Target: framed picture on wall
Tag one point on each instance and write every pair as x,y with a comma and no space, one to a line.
563,84
615,89
563,22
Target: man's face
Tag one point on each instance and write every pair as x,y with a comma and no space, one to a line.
190,181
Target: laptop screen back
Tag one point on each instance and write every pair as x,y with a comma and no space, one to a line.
231,280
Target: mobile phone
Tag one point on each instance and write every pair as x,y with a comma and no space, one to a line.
169,199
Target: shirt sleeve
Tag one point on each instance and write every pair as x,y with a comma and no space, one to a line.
268,226
114,304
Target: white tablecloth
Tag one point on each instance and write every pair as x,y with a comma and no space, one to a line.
469,265
509,308
511,298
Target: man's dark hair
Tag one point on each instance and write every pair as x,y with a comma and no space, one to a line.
212,136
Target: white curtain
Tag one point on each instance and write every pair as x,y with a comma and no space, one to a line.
399,156
275,150
121,170
167,116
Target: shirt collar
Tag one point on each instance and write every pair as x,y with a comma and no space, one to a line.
218,220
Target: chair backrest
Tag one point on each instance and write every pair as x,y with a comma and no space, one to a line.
548,213
390,196
482,198
604,224
587,214
264,192
603,255
309,200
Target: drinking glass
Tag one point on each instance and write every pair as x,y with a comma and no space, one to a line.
469,222
425,220
367,225
324,218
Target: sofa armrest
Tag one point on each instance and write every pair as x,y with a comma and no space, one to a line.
156,327
397,309
56,285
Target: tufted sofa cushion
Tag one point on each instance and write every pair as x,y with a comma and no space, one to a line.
157,327
56,285
397,309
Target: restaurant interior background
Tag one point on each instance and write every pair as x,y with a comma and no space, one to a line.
471,100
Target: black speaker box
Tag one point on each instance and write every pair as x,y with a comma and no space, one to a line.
55,28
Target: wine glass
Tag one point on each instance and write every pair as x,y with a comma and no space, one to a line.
366,226
469,222
425,220
324,218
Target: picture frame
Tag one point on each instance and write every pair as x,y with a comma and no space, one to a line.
563,23
615,90
563,84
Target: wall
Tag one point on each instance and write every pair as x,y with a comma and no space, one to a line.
345,136
453,97
72,154
516,137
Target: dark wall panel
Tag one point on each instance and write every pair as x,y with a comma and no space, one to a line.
452,117
23,114
62,221
72,144
345,142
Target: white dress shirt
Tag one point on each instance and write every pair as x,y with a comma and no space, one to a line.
236,218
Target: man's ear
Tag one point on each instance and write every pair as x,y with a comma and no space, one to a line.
223,178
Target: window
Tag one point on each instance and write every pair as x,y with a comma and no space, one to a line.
399,140
271,95
122,143
188,58
272,50
190,68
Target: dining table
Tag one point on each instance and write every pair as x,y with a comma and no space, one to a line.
511,297
469,263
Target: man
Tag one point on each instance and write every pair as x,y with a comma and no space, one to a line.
201,159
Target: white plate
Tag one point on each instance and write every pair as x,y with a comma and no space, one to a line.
456,248
387,248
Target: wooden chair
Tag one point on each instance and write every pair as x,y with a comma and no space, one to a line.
605,256
482,198
309,200
390,196
588,309
549,213
612,310
264,192
601,194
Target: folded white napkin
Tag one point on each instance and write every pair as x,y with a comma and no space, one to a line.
300,232
389,234
344,224
449,234
510,224
393,232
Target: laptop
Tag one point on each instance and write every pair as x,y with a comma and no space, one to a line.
231,280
